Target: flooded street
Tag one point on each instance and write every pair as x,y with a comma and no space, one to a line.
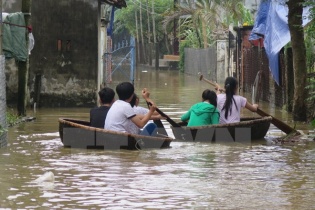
186,176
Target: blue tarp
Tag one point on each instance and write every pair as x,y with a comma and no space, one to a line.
272,24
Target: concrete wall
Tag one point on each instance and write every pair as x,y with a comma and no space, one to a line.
64,61
252,5
11,73
10,6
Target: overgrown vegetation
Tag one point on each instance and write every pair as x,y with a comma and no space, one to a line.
204,22
11,120
199,22
142,20
2,130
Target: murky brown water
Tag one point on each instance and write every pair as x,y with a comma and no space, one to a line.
186,176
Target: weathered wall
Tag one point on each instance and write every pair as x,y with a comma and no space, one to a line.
11,73
64,74
11,6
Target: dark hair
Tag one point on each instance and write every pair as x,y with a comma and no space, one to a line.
133,100
106,95
125,90
211,96
230,88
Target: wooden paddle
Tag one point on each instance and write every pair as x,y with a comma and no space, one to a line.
278,123
168,119
159,124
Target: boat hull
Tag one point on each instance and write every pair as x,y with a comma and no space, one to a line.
78,134
245,131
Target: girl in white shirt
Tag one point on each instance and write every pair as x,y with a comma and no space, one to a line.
230,104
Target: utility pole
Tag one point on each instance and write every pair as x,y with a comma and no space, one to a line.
23,66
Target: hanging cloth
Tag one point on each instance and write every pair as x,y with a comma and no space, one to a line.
14,37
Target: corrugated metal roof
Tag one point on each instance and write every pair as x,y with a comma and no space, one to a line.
117,3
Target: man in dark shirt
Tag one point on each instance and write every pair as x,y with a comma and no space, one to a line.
98,114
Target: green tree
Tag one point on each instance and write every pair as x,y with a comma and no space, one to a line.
129,19
208,20
299,58
310,60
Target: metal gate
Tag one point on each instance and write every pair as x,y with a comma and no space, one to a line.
120,59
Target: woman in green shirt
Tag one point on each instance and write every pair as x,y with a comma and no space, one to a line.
205,112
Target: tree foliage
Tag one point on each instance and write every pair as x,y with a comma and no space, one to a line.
310,57
126,18
204,21
295,11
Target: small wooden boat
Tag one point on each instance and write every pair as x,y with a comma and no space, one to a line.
79,134
248,129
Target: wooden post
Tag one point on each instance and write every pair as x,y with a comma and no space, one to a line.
23,67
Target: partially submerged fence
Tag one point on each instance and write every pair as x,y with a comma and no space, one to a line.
251,58
255,60
120,60
3,104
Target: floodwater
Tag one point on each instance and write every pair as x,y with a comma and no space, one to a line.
186,176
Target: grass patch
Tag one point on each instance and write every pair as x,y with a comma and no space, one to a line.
12,118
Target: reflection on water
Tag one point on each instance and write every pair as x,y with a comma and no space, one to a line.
186,176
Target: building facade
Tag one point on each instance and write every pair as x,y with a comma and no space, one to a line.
64,61
65,65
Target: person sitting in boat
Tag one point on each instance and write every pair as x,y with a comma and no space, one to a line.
205,112
98,114
230,104
121,116
142,111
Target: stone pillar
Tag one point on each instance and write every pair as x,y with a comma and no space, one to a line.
222,61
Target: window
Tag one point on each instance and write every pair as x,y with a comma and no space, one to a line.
59,45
